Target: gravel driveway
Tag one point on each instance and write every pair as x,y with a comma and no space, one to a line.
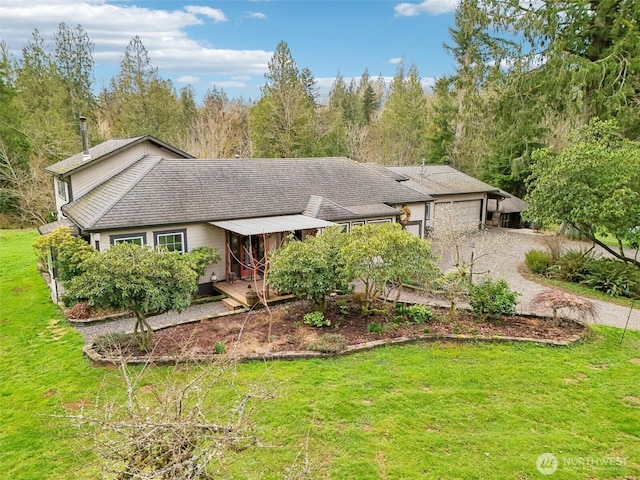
502,264
508,259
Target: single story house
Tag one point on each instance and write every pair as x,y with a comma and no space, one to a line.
141,190
468,197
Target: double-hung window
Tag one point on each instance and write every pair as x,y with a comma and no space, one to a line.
174,241
427,211
62,188
134,238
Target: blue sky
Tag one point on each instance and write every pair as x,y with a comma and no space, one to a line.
229,43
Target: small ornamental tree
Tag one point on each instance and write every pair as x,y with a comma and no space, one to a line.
145,281
384,257
309,269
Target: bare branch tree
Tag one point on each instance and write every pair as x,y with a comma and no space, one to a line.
177,429
29,187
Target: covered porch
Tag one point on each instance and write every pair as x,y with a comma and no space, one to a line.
248,243
240,293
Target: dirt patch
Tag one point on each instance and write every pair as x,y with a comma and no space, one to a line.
632,401
77,405
282,328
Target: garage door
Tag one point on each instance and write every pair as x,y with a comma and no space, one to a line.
467,212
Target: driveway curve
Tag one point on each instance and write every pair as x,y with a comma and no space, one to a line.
509,248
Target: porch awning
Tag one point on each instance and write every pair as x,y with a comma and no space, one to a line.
63,222
282,223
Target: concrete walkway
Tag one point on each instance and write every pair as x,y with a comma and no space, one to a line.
125,325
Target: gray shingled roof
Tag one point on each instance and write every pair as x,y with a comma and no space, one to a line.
104,150
320,207
376,167
156,191
441,180
63,222
510,204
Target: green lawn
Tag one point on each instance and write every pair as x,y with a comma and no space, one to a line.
423,411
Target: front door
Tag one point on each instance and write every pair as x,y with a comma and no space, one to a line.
246,255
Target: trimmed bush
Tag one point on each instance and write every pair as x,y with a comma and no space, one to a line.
538,261
493,298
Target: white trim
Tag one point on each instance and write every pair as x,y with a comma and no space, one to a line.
157,235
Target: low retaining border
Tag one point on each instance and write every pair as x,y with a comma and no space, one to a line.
98,358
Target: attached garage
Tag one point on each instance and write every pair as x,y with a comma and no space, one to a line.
467,212
467,197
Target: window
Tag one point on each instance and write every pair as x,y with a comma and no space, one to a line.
427,211
345,227
173,241
379,222
62,188
134,238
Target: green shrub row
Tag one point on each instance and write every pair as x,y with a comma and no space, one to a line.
607,275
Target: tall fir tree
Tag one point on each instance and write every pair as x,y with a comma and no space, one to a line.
403,125
281,123
140,102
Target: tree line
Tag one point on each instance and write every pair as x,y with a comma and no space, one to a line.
525,76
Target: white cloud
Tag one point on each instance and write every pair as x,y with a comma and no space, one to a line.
396,61
111,26
256,15
434,7
187,79
215,14
226,84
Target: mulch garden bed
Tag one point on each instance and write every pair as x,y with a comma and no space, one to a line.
281,328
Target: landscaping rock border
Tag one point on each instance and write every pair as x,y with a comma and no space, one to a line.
100,359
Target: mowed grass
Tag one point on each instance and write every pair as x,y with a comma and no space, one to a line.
423,411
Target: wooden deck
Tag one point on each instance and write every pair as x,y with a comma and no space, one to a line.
237,293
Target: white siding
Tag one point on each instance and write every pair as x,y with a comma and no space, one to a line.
197,235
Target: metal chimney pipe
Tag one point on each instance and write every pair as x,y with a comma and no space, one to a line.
85,139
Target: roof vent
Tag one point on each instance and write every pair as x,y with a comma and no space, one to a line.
85,139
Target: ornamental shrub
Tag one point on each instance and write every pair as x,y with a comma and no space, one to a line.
316,319
493,298
537,261
419,313
612,277
573,266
